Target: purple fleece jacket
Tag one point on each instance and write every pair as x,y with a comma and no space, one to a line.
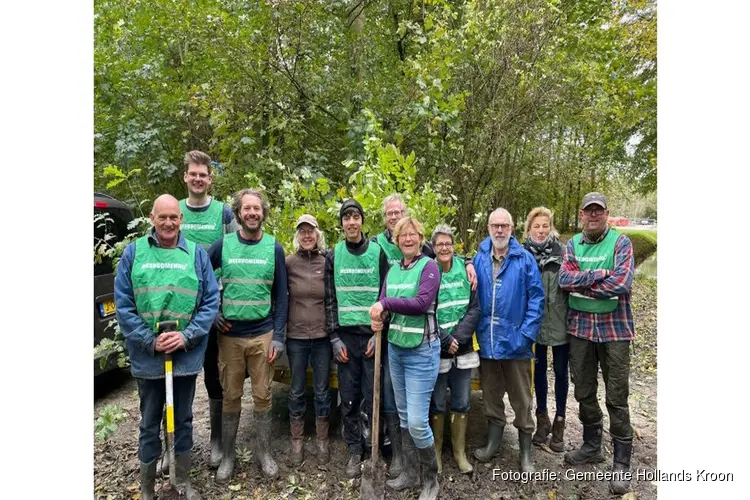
429,284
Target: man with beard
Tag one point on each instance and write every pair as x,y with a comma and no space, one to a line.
597,270
354,273
252,324
164,277
511,300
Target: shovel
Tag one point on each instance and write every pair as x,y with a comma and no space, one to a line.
169,326
372,486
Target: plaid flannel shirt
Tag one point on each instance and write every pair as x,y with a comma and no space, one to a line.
603,327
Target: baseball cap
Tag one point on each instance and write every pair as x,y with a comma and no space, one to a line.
594,198
306,219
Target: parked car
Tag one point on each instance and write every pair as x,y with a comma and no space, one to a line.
116,216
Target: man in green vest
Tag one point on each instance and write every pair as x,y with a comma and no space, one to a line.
205,220
598,271
354,273
252,324
164,277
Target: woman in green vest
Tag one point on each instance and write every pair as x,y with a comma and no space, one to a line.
542,242
457,314
408,301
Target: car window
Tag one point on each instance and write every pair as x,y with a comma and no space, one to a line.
115,222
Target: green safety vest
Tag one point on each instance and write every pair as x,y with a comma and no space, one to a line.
598,256
392,252
203,227
405,331
454,295
165,286
357,280
247,273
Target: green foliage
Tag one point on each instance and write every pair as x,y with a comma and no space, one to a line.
108,421
644,244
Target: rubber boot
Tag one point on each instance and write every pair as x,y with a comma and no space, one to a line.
458,441
494,438
214,406
163,464
543,426
397,463
321,440
428,461
437,422
354,465
297,429
230,422
148,480
524,445
558,429
263,449
590,451
409,477
181,471
621,464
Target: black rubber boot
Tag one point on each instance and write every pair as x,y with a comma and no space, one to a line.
230,422
428,462
524,445
397,463
494,438
148,480
621,464
409,477
263,448
214,406
181,470
590,451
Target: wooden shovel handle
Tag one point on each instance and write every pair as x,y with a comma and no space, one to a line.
375,431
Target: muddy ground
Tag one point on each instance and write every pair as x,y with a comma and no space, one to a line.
116,459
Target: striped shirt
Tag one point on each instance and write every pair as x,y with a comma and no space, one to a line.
602,327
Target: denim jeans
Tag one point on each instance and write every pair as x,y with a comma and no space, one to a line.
153,396
317,353
560,366
356,379
460,384
211,366
414,373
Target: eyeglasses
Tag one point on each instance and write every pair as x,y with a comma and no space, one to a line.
444,244
594,211
307,232
394,213
495,227
408,235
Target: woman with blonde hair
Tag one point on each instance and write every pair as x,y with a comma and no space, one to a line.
542,242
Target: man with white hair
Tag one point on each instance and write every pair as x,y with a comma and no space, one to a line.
511,299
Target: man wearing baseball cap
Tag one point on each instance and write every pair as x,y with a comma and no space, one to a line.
598,270
354,273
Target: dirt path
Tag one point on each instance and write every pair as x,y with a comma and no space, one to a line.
116,459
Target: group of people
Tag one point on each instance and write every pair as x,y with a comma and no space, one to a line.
243,303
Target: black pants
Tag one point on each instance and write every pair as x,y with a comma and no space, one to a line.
355,384
211,366
560,355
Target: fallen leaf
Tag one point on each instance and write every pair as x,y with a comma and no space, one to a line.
235,487
552,495
629,496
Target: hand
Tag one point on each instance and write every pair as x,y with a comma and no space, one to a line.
376,312
169,342
339,351
221,323
376,325
276,350
370,352
453,347
471,274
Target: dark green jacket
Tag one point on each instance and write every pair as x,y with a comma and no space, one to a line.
554,322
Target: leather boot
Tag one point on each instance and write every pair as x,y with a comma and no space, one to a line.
181,471
558,429
393,422
229,425
621,464
297,428
437,422
494,438
354,465
263,448
429,463
458,441
409,477
590,451
543,426
214,406
321,440
148,480
524,445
